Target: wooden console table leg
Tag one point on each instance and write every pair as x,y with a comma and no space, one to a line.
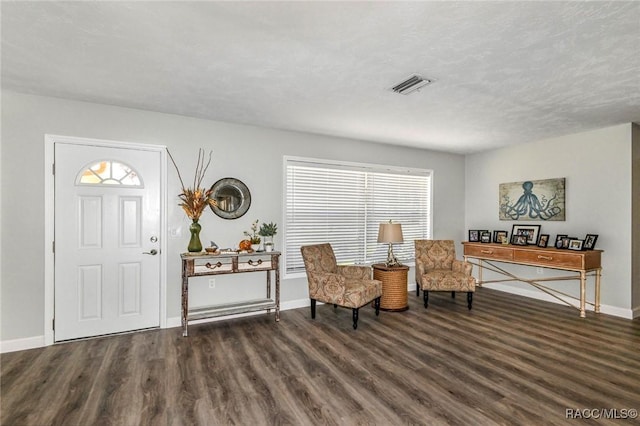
597,301
480,273
268,288
185,301
277,289
583,288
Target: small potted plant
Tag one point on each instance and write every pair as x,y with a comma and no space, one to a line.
253,236
268,230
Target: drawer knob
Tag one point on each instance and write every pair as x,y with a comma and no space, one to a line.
487,251
541,257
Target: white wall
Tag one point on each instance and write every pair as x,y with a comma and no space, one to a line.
597,168
635,221
251,154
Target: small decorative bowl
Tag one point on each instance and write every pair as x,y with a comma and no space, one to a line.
212,250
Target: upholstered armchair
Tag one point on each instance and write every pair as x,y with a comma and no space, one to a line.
437,269
350,286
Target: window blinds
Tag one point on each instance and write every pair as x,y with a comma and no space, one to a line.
344,204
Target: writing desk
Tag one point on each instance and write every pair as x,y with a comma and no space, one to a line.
584,263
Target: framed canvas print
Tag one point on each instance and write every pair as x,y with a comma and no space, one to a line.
474,235
590,241
498,236
531,231
532,200
575,244
543,241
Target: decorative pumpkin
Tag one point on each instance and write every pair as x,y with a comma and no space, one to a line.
245,245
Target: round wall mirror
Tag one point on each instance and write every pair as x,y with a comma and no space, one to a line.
232,197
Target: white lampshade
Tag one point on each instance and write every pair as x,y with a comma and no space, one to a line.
390,233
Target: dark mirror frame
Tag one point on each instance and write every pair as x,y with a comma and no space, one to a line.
245,197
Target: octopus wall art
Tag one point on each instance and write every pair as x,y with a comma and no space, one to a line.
533,200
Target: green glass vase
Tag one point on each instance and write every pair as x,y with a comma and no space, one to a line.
195,246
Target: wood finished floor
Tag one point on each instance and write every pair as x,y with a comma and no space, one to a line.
511,360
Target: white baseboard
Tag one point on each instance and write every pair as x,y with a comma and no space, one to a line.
605,309
21,344
284,306
39,342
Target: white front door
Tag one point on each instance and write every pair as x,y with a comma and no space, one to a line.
107,230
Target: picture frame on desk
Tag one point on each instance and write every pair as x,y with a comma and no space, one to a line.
531,231
543,241
565,242
575,244
590,241
499,235
485,237
559,239
474,235
519,239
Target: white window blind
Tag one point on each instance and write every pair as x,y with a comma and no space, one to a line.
344,204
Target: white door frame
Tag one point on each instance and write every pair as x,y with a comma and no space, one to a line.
49,221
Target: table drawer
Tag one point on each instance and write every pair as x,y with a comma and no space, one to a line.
551,259
489,252
254,263
209,266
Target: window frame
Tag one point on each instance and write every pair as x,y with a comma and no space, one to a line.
365,167
88,167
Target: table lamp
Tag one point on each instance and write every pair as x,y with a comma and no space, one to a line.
390,233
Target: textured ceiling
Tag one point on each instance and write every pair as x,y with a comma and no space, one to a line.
506,72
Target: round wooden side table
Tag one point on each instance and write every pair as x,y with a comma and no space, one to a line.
394,286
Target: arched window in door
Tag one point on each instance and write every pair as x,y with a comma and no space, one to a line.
109,172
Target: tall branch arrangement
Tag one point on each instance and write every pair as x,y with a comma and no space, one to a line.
195,199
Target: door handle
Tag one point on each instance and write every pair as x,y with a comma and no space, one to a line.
153,252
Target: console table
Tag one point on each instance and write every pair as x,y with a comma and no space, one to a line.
585,263
206,264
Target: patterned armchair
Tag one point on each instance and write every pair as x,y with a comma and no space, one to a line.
350,286
438,270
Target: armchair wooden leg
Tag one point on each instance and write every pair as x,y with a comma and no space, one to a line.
425,296
376,304
453,294
469,299
355,318
335,306
313,308
417,289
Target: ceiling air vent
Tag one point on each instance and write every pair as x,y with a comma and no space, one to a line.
411,84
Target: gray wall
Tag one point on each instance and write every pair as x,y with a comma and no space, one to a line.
597,168
251,154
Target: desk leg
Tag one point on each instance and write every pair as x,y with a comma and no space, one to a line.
479,272
597,306
185,303
583,286
465,261
277,292
268,288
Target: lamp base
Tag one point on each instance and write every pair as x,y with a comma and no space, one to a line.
391,258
